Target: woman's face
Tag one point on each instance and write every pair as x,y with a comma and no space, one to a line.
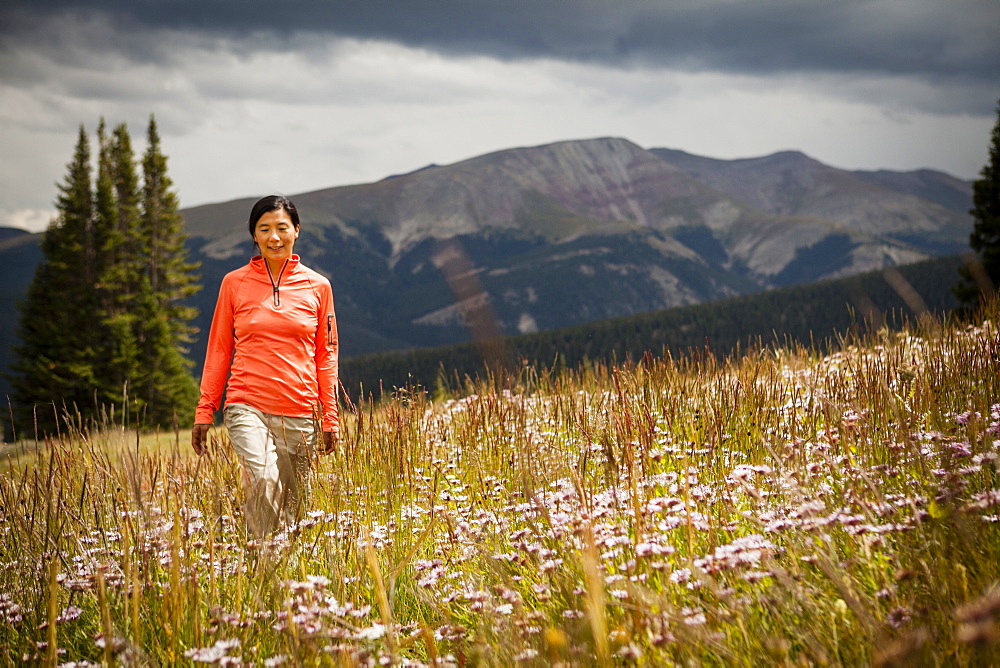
275,235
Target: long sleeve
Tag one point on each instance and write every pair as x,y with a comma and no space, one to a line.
327,350
272,347
218,356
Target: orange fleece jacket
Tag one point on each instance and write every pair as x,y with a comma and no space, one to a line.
275,338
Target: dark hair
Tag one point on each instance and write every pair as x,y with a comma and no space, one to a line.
272,203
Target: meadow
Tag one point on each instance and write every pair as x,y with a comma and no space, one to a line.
782,507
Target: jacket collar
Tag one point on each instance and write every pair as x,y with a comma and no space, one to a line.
259,266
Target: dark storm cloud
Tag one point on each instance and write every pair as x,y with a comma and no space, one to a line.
929,39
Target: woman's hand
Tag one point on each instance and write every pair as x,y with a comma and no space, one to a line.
330,439
199,434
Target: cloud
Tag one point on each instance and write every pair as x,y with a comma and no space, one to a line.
33,220
303,94
918,38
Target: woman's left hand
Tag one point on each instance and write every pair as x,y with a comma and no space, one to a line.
330,439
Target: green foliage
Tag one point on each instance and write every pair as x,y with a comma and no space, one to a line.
58,329
169,390
103,322
122,284
982,274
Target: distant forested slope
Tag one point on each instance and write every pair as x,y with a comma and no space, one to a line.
810,314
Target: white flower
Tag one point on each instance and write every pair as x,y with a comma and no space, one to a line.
217,653
374,632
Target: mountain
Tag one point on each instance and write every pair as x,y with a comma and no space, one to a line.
924,210
817,315
19,253
537,238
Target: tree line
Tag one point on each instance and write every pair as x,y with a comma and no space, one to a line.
104,323
816,315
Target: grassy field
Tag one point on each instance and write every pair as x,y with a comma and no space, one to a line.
778,509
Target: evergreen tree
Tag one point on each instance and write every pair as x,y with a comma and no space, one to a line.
53,367
106,244
123,289
170,390
103,321
985,237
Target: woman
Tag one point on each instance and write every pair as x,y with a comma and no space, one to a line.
274,335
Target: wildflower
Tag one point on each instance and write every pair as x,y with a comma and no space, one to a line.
680,575
117,644
449,632
477,596
898,617
663,638
810,508
9,611
983,500
968,416
693,617
374,632
629,651
542,592
509,595
961,449
431,578
745,471
550,565
76,584
653,548
217,653
311,583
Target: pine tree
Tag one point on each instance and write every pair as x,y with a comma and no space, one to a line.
53,367
104,322
122,290
170,390
984,276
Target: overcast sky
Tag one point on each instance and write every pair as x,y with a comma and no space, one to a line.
295,95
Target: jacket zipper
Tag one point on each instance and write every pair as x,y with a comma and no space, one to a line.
276,285
329,330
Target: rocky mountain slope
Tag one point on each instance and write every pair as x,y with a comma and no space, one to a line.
536,238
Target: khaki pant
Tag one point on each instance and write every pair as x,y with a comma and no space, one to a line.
275,452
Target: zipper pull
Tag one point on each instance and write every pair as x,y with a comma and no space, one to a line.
277,299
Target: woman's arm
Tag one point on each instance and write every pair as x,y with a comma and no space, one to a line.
218,355
327,350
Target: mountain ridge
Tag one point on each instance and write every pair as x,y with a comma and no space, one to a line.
536,238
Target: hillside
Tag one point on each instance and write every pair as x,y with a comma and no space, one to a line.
813,315
533,239
927,210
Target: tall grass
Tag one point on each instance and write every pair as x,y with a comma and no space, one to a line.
779,508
